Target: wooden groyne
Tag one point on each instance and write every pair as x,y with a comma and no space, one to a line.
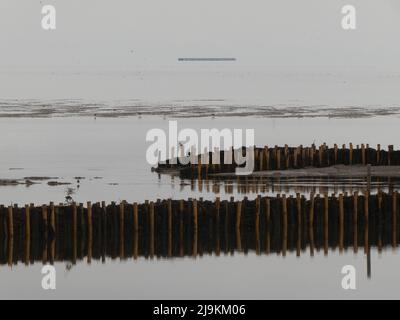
178,228
283,158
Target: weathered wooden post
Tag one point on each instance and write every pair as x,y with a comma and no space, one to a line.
10,236
355,221
135,230
341,223
326,224
151,218
27,234
298,206
285,225
267,227
122,230
90,231
74,232
44,217
257,223
238,221
394,219
195,228
311,224
169,228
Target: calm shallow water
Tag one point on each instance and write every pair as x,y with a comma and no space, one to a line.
210,277
113,149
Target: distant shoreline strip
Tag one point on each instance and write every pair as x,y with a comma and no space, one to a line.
205,59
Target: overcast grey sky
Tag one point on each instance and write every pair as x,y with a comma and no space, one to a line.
129,33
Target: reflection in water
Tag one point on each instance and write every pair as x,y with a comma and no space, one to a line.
178,228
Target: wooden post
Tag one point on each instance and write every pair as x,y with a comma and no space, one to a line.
394,220
151,230
298,205
355,221
285,225
326,224
311,224
366,212
378,155
267,220
53,227
122,230
390,151
10,222
257,223
217,222
135,230
74,233
10,236
336,153
341,223
44,217
169,228
90,231
351,153
379,240
363,159
104,231
195,228
27,234
278,159
238,221
181,229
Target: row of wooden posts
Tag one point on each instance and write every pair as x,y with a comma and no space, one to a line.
282,158
178,228
256,185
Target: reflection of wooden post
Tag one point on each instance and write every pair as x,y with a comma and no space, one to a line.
238,218
341,223
27,234
135,230
90,231
394,220
285,225
195,228
44,217
311,224
74,232
122,230
169,228
298,205
267,219
355,222
151,230
326,223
